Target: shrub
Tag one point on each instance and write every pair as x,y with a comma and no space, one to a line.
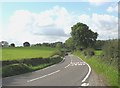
89,52
15,69
25,65
12,45
26,44
58,52
55,59
110,51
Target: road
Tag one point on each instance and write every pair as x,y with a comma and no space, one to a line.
70,72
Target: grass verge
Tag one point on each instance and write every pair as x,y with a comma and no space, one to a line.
109,72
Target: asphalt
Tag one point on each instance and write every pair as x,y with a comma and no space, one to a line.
70,72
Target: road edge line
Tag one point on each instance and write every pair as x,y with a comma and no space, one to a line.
89,71
50,66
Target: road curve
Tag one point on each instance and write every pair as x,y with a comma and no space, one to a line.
72,72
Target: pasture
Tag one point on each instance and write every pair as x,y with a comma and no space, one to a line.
18,53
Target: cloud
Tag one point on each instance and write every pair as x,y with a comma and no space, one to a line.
47,26
105,25
50,30
112,9
84,18
55,25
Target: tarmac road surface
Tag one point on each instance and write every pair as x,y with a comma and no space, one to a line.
70,72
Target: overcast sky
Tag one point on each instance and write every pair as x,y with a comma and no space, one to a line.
38,22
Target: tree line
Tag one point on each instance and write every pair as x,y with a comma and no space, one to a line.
27,44
82,37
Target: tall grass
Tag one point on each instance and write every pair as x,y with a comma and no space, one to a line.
109,72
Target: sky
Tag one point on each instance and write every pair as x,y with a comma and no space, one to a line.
38,22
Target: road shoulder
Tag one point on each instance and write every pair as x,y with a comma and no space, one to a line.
97,80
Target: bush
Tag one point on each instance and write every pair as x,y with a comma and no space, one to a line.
59,52
23,66
15,69
35,61
55,59
89,52
32,61
8,62
110,51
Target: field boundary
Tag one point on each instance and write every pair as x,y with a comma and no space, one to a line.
51,65
32,66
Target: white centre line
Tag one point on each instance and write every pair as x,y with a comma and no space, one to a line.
43,76
67,65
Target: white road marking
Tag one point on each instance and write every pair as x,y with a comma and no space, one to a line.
48,66
44,68
75,64
88,74
85,84
43,76
80,64
67,66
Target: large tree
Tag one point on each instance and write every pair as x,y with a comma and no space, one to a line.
12,45
26,44
69,43
4,44
83,36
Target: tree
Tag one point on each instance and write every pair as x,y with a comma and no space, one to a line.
69,43
12,45
46,44
110,49
58,45
99,44
83,36
52,45
26,44
4,44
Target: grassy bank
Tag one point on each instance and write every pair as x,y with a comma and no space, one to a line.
109,72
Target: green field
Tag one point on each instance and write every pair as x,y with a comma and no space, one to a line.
98,52
27,59
26,52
